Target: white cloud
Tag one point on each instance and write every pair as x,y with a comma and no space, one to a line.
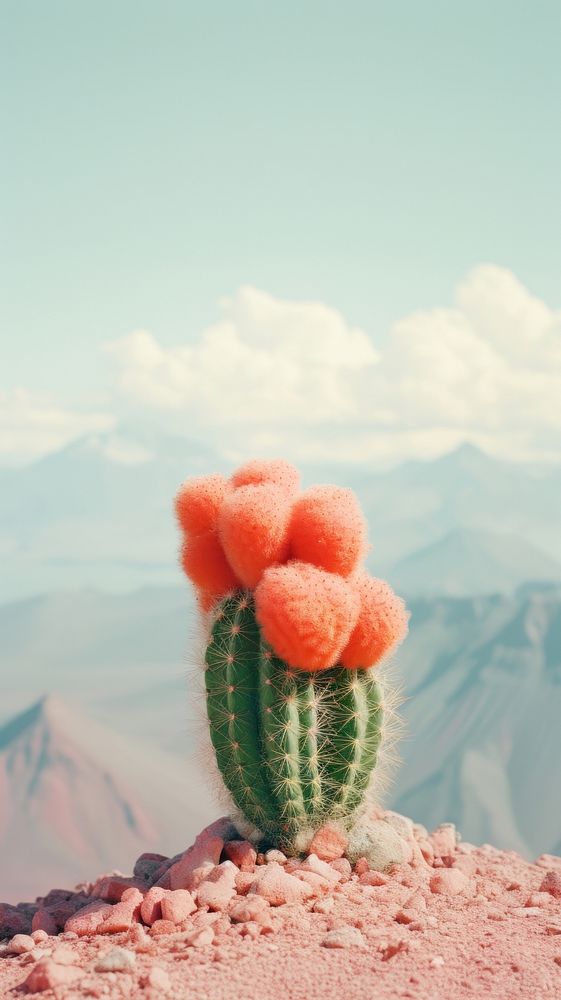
32,425
275,376
295,378
266,364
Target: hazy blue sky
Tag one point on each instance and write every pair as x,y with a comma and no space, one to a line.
159,155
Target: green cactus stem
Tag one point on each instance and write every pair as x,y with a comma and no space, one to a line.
294,748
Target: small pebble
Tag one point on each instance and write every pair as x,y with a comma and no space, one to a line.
344,937
20,944
157,979
274,855
449,882
47,975
552,883
116,960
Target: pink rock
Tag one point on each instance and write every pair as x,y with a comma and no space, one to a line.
292,865
465,864
20,944
248,909
344,867
319,885
44,921
164,882
156,979
13,921
278,887
150,908
63,904
162,927
200,874
328,843
177,905
112,887
39,935
122,914
549,861
206,850
361,866
244,881
314,864
63,956
394,948
139,939
449,882
88,919
443,839
148,864
199,937
538,899
241,853
219,888
325,905
426,850
344,937
373,878
204,918
47,975
416,902
552,883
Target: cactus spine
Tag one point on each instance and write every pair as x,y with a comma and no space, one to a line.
294,748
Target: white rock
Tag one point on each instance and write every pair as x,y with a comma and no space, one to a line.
378,842
436,961
116,960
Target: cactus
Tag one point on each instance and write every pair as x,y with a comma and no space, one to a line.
295,714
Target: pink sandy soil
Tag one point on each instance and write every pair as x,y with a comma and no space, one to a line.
451,921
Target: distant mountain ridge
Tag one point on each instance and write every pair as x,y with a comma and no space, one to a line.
469,561
482,683
76,794
99,513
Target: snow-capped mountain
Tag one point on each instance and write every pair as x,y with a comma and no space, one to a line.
78,797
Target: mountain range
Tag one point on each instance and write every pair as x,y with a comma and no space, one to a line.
482,747
482,700
78,798
99,513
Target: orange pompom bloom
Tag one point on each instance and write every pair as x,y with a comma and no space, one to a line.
328,529
253,528
381,624
273,470
198,501
306,614
204,562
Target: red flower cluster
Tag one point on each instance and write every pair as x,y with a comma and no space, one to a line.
301,553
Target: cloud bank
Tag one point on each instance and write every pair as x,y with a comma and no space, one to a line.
296,378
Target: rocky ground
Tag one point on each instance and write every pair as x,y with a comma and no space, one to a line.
221,922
